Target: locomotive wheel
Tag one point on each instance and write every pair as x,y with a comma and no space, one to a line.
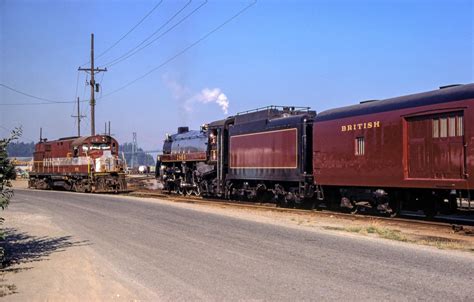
79,186
355,208
197,191
309,204
229,190
282,202
203,187
396,207
100,184
348,205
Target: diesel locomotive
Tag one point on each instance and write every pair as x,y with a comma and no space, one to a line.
81,164
414,151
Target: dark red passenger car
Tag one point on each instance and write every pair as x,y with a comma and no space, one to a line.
418,149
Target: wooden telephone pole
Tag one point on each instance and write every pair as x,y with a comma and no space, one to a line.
79,117
92,83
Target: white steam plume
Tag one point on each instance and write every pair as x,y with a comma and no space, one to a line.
213,96
187,100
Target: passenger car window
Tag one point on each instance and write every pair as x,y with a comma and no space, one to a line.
435,128
443,127
359,146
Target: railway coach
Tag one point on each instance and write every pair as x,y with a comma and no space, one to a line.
416,149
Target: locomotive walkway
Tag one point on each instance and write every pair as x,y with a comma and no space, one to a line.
160,251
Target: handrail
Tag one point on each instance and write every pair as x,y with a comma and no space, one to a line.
283,108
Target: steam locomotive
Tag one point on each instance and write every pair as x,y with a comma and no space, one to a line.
256,154
81,164
414,151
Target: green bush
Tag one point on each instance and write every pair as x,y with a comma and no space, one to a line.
7,172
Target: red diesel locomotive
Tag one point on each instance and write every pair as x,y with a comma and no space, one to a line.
81,164
416,149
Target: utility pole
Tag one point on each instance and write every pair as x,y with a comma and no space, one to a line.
134,160
107,130
92,83
79,118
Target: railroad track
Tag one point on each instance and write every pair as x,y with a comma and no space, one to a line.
459,225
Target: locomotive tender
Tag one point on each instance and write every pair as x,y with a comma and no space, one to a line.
81,164
416,149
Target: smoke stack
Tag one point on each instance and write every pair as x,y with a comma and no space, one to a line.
183,130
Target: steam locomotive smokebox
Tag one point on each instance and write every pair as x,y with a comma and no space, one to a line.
183,130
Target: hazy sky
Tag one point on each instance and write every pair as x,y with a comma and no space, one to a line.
321,54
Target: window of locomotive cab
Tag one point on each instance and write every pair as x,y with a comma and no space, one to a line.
100,146
360,146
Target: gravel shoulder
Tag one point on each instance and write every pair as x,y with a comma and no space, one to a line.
45,263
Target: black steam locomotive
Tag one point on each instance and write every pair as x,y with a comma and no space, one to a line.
264,153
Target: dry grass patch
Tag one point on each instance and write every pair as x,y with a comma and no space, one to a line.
397,235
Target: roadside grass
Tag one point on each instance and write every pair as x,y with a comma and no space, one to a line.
379,231
7,289
397,235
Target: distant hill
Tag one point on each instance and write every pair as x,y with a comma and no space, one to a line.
20,149
142,157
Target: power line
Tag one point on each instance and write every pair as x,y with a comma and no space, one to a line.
77,86
183,50
45,100
48,101
137,48
85,86
129,32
